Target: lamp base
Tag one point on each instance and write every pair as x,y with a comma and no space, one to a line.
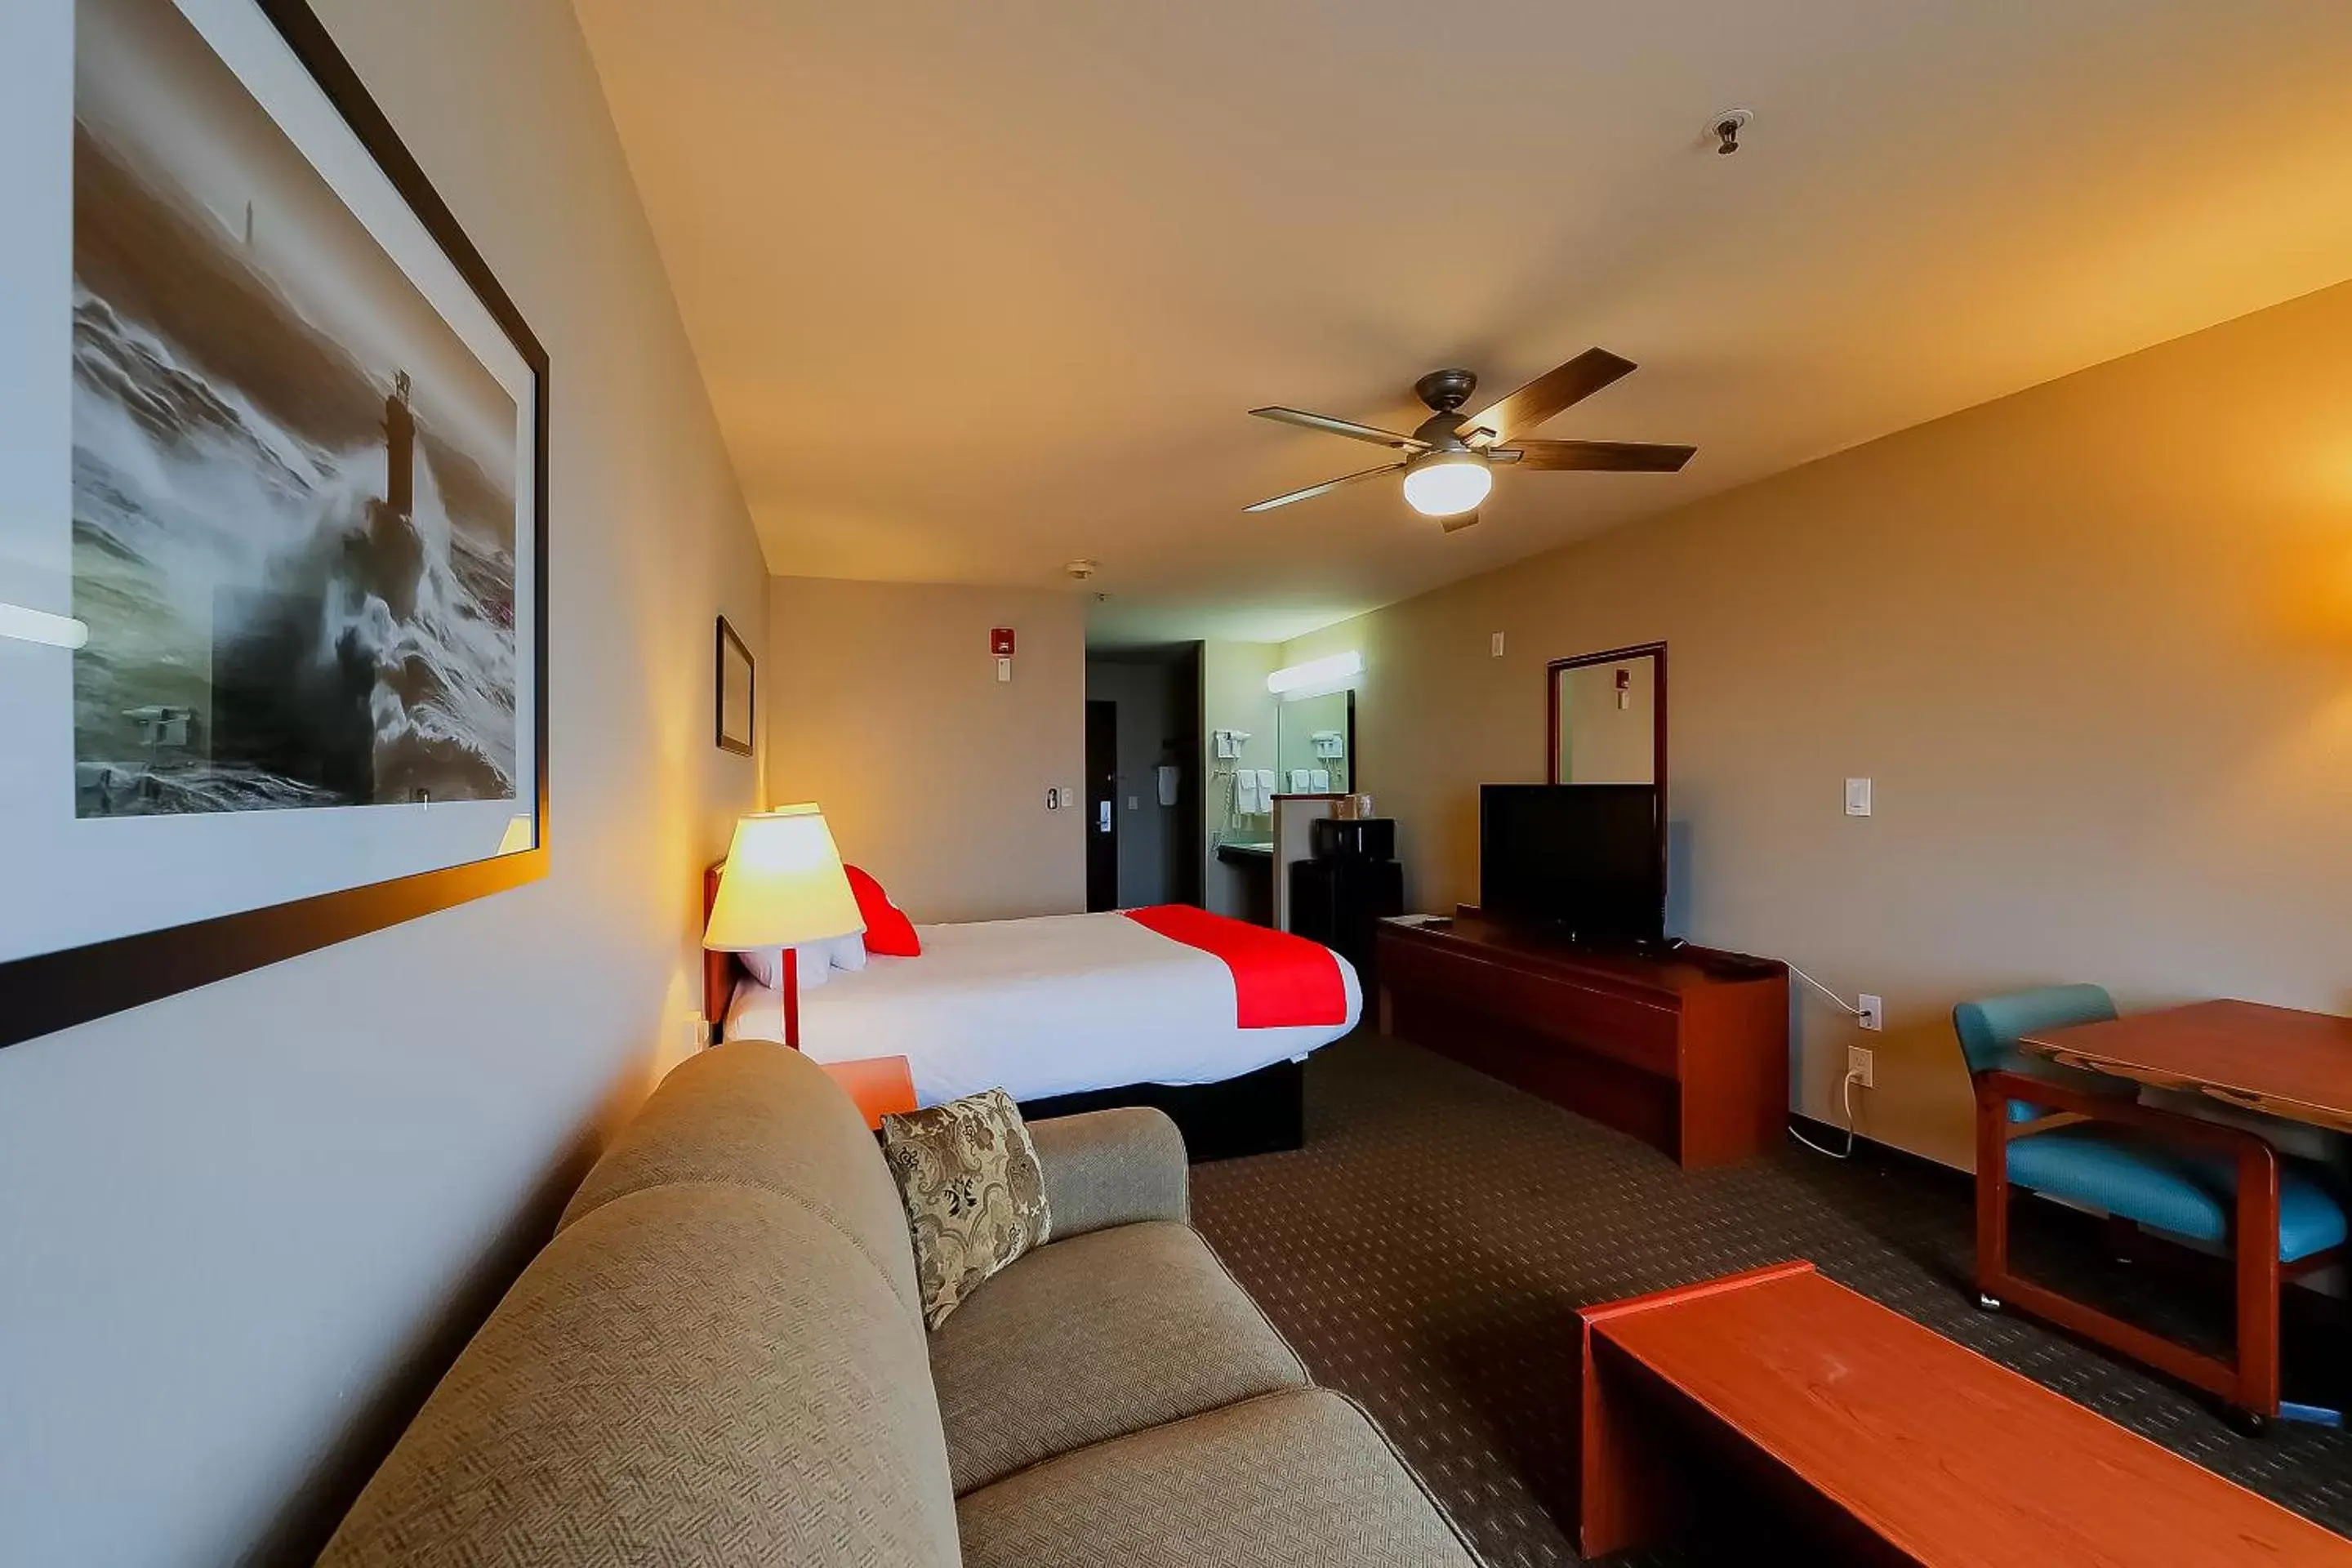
792,964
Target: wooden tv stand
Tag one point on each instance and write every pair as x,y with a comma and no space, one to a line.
1687,1051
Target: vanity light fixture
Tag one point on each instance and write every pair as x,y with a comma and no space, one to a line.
41,627
1316,677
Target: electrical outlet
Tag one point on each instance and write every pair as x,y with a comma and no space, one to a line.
1861,1066
1873,1013
697,1030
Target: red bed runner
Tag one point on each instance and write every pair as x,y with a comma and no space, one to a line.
1279,980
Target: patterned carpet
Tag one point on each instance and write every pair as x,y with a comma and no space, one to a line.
1426,1251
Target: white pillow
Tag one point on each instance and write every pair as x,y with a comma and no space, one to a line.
766,965
848,952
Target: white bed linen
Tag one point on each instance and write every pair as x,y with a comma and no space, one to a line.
1044,1006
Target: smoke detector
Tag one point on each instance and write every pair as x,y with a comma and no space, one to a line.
1079,570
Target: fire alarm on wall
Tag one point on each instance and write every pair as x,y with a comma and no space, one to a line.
1000,642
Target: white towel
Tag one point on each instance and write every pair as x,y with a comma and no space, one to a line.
1245,793
1301,781
1319,781
1265,789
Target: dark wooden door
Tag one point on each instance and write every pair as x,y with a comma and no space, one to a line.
1102,806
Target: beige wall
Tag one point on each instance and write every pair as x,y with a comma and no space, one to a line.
883,708
2094,642
242,1229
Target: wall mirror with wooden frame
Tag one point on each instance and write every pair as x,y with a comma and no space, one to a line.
1608,717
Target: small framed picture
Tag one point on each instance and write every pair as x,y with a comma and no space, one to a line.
735,709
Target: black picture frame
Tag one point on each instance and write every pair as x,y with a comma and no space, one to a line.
732,647
44,992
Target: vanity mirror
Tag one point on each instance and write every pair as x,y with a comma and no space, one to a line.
1315,745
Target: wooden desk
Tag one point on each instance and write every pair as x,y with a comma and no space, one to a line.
2271,1059
882,1086
1909,1448
1688,1051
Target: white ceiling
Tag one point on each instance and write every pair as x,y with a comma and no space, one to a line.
980,289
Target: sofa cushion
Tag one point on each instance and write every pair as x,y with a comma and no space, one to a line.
689,1374
1300,1477
761,1115
1095,1337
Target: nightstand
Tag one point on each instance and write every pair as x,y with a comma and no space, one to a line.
882,1086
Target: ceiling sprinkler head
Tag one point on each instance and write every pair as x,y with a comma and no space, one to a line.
1080,570
1725,127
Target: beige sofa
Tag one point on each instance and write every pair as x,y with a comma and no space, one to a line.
719,1359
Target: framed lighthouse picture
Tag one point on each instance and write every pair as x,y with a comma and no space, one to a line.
273,528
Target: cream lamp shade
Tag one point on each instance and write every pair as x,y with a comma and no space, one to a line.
783,885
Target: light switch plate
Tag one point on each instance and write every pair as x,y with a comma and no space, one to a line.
1857,797
1873,1012
1497,646
1003,670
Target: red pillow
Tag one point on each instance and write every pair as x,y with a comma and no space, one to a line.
889,932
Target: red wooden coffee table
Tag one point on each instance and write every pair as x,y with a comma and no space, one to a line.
1904,1447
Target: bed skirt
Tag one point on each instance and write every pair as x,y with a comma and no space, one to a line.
1261,1112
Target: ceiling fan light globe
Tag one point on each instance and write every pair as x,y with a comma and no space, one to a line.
1447,487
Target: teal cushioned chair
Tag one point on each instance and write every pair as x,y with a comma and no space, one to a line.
2084,1137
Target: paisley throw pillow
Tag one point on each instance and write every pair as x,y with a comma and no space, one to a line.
974,1193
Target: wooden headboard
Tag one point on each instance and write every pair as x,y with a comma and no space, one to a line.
719,970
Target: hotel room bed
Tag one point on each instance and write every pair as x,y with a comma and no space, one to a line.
1055,1005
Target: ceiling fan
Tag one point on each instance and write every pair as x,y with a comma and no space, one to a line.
1448,461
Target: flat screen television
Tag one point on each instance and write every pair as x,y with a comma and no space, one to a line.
1588,859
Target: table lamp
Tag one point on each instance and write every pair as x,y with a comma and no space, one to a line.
783,885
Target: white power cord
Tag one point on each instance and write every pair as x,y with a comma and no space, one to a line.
1845,1090
1824,990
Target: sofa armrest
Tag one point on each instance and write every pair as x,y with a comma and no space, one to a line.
1111,1167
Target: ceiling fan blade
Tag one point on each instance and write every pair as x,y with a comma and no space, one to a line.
1347,428
1311,491
1548,394
1611,456
1456,524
